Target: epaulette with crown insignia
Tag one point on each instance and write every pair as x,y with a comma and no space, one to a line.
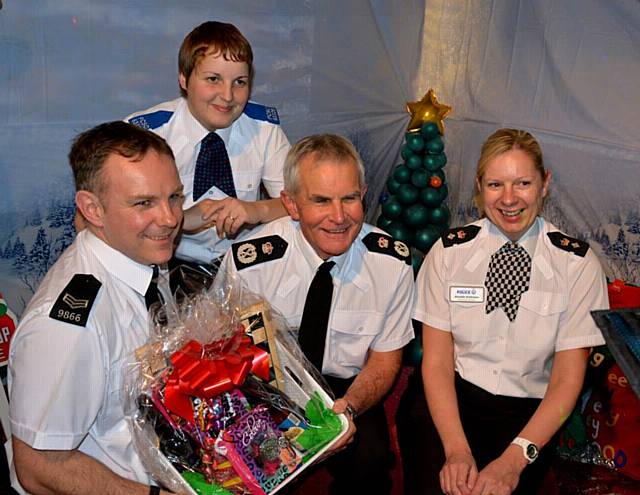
459,235
566,243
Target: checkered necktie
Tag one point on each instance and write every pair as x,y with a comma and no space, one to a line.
213,167
507,279
315,316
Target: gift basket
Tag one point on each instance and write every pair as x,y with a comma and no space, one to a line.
221,400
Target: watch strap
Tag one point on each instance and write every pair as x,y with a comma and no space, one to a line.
529,449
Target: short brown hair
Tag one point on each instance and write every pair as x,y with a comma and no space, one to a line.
500,142
91,148
213,37
323,147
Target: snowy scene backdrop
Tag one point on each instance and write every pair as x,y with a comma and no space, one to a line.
567,71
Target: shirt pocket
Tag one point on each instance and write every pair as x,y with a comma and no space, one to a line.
469,322
247,182
352,333
540,312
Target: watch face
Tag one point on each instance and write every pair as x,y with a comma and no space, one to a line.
532,451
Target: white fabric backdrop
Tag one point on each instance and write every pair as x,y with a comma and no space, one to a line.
569,72
566,70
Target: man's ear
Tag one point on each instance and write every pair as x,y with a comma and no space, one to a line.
289,203
91,208
363,191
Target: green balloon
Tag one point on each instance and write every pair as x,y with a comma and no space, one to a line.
435,145
415,142
383,222
435,162
392,208
439,215
402,174
444,191
400,231
407,194
429,130
406,152
392,185
420,178
416,216
413,162
431,197
426,237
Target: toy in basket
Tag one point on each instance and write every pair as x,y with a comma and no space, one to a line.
222,401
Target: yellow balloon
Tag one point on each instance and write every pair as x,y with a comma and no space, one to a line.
427,110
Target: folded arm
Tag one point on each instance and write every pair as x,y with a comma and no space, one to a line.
229,215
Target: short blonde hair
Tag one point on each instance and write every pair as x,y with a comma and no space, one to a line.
500,142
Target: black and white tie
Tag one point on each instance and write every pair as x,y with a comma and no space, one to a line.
315,317
507,278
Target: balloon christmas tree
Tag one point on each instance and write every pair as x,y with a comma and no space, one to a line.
414,210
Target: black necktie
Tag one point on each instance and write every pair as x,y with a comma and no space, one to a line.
213,168
507,278
152,294
315,317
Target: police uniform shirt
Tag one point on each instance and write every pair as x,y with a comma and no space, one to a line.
66,380
257,148
503,357
372,296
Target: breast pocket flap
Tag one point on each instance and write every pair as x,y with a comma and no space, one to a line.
544,303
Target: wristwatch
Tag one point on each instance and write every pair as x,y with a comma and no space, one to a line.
529,449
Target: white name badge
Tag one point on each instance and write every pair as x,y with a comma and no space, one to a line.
466,294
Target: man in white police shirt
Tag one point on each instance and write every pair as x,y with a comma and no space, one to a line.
369,310
215,76
87,317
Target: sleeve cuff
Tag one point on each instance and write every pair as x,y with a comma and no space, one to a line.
580,342
46,441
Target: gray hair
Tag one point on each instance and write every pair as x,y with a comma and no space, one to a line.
323,147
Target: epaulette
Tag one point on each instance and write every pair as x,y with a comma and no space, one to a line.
459,235
255,251
76,300
260,112
153,120
566,243
385,244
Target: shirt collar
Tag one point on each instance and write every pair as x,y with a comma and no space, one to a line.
132,273
311,257
194,130
528,240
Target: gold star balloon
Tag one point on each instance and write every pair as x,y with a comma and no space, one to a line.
427,110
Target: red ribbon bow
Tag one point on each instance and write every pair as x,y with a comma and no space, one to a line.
195,374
